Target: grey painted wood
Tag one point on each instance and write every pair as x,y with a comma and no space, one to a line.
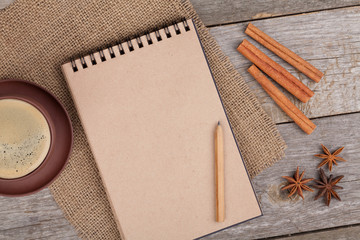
284,216
33,217
38,216
216,12
345,233
335,51
5,3
329,40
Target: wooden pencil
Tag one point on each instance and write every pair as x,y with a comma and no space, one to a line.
219,174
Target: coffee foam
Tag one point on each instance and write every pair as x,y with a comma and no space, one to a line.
24,138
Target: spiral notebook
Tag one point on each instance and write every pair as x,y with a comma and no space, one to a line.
149,107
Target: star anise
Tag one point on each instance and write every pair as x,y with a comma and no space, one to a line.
297,184
329,158
326,187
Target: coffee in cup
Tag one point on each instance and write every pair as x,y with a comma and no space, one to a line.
25,138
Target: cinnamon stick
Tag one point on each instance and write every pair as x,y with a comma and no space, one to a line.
284,53
282,101
275,71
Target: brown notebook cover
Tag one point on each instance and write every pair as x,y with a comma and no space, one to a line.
150,115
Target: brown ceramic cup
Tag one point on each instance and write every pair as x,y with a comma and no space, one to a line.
61,137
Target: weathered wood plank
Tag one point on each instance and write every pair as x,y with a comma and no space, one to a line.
344,233
216,12
33,217
329,40
284,216
38,216
5,3
337,51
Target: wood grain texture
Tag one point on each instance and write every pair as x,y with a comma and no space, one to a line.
344,233
33,217
284,216
329,40
5,3
38,216
216,12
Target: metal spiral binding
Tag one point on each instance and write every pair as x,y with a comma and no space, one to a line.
148,38
158,36
139,42
102,55
111,51
167,32
177,29
121,49
130,45
92,58
83,63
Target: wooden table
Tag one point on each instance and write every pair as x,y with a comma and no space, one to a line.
327,34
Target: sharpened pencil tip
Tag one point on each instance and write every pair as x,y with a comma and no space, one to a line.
218,122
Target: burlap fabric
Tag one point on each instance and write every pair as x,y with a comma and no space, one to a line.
37,36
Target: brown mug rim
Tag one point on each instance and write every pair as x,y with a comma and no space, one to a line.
35,176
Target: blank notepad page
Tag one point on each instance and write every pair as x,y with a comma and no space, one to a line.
150,116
